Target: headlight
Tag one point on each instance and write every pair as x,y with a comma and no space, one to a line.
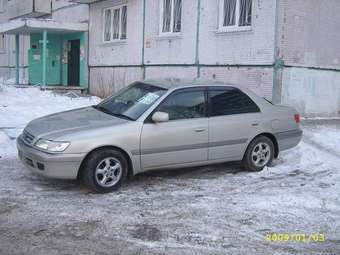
52,146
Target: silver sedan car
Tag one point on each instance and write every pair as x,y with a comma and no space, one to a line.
159,124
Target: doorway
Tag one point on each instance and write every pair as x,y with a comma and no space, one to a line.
73,66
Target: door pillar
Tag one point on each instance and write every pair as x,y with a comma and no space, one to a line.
44,57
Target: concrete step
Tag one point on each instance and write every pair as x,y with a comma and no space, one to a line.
65,88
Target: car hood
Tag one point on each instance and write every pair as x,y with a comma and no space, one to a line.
64,123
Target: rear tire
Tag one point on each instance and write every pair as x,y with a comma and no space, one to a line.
260,153
105,170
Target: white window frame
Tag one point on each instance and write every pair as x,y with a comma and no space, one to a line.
161,9
236,27
118,7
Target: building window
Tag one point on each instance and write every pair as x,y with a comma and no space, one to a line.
235,15
115,23
2,5
171,16
107,25
2,43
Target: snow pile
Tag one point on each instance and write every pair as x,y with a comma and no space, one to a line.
18,106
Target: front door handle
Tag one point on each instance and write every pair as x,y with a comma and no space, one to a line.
199,130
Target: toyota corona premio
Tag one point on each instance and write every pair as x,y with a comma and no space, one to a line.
159,124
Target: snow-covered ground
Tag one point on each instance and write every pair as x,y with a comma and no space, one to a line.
207,210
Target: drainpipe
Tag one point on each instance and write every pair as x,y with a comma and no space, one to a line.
143,42
88,61
61,59
197,60
17,59
278,64
44,57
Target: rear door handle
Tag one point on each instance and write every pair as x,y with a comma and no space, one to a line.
255,124
199,130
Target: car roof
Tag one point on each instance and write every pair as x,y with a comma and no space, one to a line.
173,83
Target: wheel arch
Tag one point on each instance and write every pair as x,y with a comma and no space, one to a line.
127,156
272,138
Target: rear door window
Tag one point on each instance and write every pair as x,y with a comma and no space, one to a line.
229,101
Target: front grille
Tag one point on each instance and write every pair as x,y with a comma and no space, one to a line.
27,137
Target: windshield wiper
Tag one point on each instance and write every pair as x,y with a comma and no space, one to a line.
122,116
103,109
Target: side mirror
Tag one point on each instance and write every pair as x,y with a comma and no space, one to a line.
159,117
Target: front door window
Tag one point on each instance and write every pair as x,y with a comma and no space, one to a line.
184,105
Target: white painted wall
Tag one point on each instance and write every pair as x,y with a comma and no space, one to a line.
308,37
41,6
178,49
71,13
309,33
254,47
169,72
116,53
105,81
57,4
249,47
312,92
19,8
7,57
257,79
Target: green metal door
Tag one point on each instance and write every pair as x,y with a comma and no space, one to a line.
53,61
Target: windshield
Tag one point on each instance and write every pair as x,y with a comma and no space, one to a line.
131,102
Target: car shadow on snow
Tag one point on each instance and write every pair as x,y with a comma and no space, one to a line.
162,175
201,172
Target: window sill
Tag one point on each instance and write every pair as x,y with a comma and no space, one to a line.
113,43
234,30
169,36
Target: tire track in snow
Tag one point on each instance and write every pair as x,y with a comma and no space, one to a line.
307,139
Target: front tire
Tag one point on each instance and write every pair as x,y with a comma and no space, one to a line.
259,154
105,170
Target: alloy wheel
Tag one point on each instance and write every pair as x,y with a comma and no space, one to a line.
261,154
108,172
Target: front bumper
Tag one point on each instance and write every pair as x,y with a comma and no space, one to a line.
60,166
